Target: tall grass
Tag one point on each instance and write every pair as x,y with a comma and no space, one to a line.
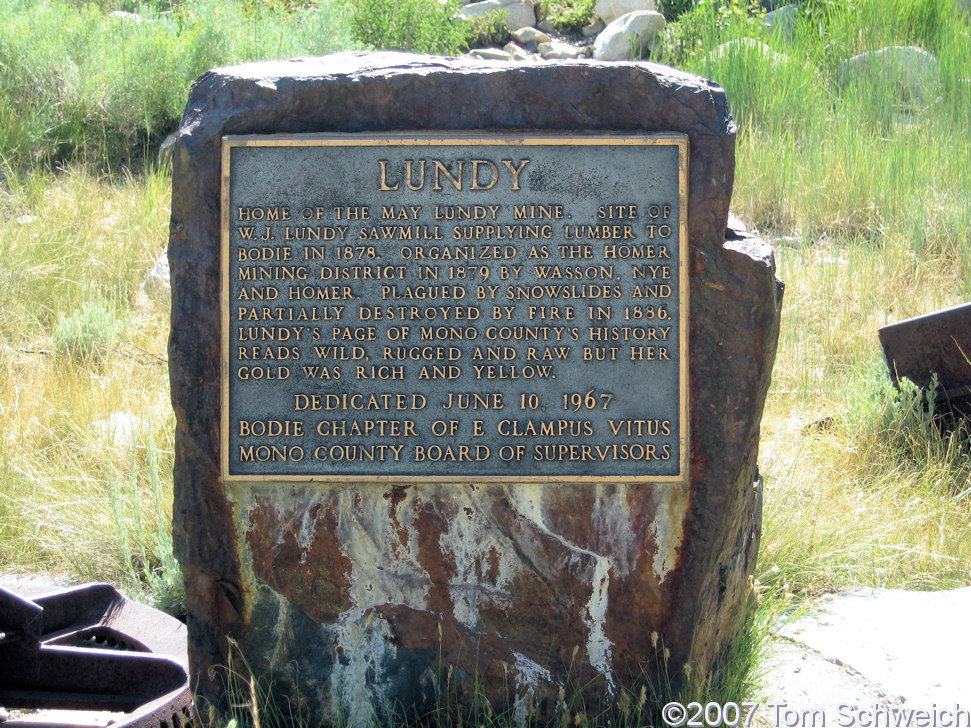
867,192
78,82
80,494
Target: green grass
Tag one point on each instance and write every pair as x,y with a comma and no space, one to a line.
870,198
67,94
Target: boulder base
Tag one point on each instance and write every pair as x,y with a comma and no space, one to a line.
362,600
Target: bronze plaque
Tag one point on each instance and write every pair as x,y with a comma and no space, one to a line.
456,308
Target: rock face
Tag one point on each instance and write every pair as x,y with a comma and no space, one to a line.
629,36
515,13
610,10
359,600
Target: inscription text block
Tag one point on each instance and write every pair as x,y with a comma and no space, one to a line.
454,308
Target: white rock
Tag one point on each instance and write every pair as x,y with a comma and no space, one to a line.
912,70
610,10
546,26
123,15
748,48
489,54
121,429
156,284
516,13
516,53
557,49
910,645
166,149
530,35
628,37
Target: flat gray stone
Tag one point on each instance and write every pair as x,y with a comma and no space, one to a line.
913,646
557,49
490,54
530,35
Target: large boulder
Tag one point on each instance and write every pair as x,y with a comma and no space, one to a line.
912,72
516,14
357,598
629,37
610,10
783,20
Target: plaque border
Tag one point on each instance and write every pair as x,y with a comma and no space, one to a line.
445,138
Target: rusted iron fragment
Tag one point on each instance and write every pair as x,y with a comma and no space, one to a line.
89,648
935,344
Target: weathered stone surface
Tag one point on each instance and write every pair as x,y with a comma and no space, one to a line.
629,36
557,49
530,35
610,10
381,596
491,54
913,71
516,13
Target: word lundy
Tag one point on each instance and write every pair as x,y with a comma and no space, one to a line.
470,174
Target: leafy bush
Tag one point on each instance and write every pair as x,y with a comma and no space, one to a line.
488,30
568,16
421,26
87,335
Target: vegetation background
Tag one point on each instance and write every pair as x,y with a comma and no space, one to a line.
865,191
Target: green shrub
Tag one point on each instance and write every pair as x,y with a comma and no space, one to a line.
568,16
87,335
421,26
489,30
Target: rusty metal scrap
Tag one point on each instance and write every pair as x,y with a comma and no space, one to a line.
89,648
938,344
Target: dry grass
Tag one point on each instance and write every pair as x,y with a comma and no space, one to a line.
77,497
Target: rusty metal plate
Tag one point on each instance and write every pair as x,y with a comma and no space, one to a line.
936,343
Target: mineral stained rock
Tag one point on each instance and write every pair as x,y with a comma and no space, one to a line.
360,600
